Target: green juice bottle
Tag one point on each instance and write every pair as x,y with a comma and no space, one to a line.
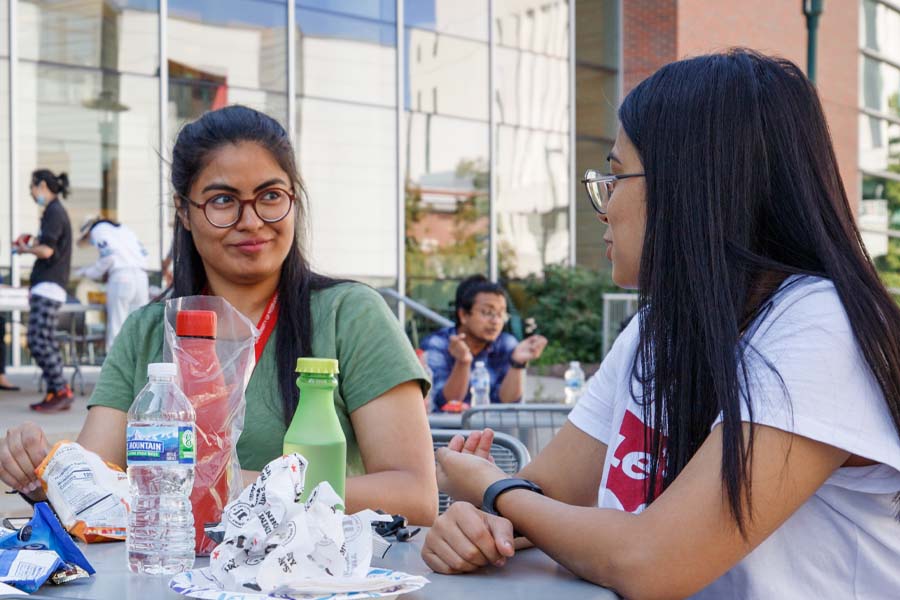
315,430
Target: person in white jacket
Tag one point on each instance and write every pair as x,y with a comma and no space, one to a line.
123,261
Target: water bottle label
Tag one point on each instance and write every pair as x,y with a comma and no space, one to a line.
160,445
573,383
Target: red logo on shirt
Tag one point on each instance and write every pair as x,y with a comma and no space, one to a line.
630,465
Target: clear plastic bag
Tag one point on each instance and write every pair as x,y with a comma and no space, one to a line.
213,372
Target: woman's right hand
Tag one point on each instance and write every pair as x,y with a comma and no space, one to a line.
464,539
21,451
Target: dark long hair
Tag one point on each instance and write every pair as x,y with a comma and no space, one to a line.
195,144
58,184
743,189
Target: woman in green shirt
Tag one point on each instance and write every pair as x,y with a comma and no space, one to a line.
239,205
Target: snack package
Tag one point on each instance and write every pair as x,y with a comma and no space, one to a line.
34,553
27,570
90,496
213,346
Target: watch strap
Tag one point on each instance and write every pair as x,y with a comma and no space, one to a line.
489,501
517,365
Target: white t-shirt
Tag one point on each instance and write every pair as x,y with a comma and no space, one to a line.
120,249
843,542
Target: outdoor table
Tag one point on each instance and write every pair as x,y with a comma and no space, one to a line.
529,574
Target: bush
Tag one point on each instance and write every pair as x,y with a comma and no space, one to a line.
567,306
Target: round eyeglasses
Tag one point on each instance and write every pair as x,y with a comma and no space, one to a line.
224,209
600,187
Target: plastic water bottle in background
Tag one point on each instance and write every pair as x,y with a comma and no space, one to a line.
574,378
480,385
160,454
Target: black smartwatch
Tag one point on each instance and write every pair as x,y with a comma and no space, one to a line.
489,502
517,365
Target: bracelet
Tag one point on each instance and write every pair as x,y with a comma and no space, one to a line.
517,365
501,486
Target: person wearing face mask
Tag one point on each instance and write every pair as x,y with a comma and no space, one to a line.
49,276
479,336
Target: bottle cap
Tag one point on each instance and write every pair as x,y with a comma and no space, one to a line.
319,366
196,323
161,370
479,363
574,363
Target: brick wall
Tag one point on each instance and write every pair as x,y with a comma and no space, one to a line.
649,38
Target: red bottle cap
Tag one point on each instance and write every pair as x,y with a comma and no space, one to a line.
196,323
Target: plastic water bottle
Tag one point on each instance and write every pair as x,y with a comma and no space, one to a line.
480,385
315,430
160,453
574,378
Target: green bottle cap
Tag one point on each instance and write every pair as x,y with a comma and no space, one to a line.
321,366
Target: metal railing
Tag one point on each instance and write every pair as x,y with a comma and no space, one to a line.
417,308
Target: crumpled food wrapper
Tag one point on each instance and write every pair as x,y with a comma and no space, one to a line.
274,543
90,496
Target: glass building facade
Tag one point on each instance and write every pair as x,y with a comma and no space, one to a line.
436,138
879,135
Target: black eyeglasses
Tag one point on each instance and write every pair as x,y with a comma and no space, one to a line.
224,210
600,187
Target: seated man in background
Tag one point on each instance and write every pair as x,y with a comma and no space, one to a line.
478,336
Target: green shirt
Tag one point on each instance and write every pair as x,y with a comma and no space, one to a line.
351,322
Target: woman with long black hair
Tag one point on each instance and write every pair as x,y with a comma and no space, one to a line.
49,278
741,438
238,235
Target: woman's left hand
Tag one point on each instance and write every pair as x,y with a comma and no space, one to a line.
465,476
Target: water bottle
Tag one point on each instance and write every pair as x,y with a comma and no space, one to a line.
160,455
315,431
480,385
574,378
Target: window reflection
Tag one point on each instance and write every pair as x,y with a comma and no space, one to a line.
118,35
446,198
5,241
101,129
222,53
461,18
382,10
346,58
347,156
446,75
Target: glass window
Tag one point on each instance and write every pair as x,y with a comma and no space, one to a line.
381,10
879,144
879,211
119,35
464,18
880,86
5,206
347,157
4,27
346,58
101,128
446,198
878,26
535,26
532,200
241,43
446,75
532,90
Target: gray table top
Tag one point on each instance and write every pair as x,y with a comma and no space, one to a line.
529,574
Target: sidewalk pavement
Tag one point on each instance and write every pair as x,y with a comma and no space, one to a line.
14,411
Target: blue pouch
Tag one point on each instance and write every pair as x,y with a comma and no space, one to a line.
45,532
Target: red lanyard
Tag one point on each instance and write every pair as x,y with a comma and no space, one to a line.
266,325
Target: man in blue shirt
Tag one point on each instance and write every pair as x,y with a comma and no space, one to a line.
479,336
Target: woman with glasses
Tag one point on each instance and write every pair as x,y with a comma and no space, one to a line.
238,198
741,438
